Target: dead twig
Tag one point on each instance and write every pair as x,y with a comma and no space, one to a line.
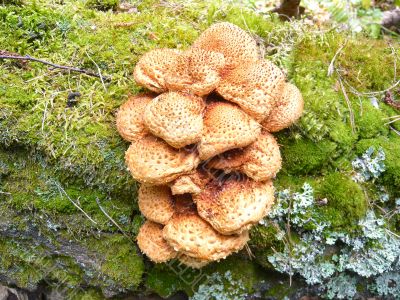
111,219
62,191
73,69
346,97
331,67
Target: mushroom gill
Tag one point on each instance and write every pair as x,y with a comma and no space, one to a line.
129,120
151,242
151,160
176,118
255,88
234,205
226,127
261,160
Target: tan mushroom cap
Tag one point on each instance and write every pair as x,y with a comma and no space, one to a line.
175,117
192,236
152,243
237,46
151,160
156,203
153,68
197,71
226,127
287,112
255,88
129,119
234,205
260,160
191,183
195,263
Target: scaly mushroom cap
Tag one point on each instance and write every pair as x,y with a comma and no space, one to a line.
175,117
151,242
260,161
197,71
234,205
237,46
156,203
192,236
226,127
195,263
288,110
129,120
151,160
255,88
191,183
153,68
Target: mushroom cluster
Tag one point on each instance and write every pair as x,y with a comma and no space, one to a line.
201,144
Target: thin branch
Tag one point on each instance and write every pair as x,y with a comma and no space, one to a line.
352,122
111,219
61,190
73,69
331,67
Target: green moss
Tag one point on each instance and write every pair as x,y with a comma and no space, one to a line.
346,201
103,5
121,261
304,156
391,147
263,242
370,121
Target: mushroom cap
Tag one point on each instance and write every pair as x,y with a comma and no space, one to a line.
197,71
255,88
192,236
151,160
288,110
129,121
153,68
195,263
237,46
226,127
156,203
260,160
151,242
233,206
191,183
175,117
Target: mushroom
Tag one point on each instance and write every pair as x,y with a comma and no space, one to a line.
288,110
197,71
156,203
237,46
234,205
152,243
226,127
151,160
195,263
254,87
129,119
191,183
260,160
176,118
153,68
191,235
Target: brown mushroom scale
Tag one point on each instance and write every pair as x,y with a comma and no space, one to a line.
202,148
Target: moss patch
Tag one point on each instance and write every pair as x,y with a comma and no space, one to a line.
346,201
